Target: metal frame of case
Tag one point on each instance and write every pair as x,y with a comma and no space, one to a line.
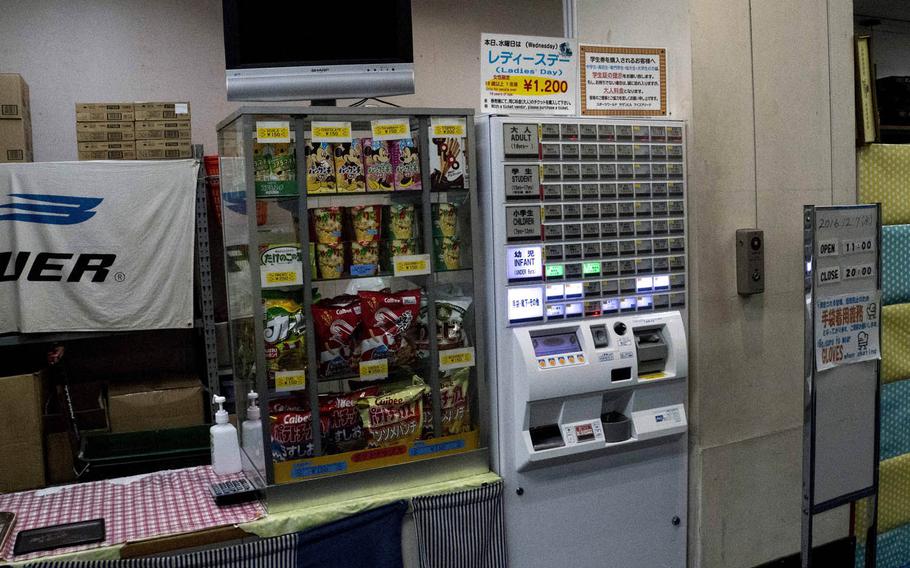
322,489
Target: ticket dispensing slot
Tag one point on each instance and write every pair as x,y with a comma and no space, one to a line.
582,385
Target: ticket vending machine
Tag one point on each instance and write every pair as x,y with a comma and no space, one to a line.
587,325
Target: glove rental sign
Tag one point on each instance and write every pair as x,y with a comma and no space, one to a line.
96,246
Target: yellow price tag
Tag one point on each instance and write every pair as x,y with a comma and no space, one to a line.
331,131
527,86
411,265
376,369
456,358
273,132
394,129
290,380
447,127
280,277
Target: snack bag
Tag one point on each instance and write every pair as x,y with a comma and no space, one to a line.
366,222
364,258
389,322
445,219
338,323
449,167
407,165
275,169
326,223
345,433
454,398
400,222
330,259
393,418
285,340
377,159
447,253
450,332
349,166
320,167
292,434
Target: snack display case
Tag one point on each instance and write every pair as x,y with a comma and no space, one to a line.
353,280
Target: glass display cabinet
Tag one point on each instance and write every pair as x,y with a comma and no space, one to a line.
353,282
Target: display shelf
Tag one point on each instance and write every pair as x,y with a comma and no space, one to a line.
290,338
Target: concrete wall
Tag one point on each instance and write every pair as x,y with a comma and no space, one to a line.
767,92
126,50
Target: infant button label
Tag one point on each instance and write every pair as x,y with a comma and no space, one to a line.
456,358
273,132
374,370
411,264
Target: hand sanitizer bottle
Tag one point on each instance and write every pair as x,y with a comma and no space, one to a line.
251,433
223,436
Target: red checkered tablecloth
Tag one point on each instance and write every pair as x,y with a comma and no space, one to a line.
136,508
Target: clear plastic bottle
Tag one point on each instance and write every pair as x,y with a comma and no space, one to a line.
251,433
223,440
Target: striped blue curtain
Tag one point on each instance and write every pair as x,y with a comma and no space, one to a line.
461,530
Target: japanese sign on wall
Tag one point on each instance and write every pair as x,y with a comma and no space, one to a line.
623,81
528,74
846,329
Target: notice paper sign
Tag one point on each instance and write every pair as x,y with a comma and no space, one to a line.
528,74
623,81
846,329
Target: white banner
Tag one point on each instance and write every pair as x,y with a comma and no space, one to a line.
96,246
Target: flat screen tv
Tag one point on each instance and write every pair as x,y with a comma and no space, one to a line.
317,50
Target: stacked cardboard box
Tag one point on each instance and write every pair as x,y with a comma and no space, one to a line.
133,131
15,119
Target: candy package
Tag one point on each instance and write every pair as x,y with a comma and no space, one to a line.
407,165
389,325
349,167
275,169
395,417
320,167
283,332
337,322
455,404
377,159
449,167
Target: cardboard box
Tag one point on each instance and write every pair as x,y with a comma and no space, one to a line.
163,130
104,131
155,403
163,149
59,458
21,432
15,140
104,112
13,96
162,111
107,150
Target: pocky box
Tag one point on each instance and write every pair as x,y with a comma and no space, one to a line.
407,165
349,166
320,167
449,165
377,158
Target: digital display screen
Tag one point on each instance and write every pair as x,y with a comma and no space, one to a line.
627,304
643,283
524,263
555,344
574,290
556,270
253,37
574,309
555,311
525,304
590,268
555,291
661,282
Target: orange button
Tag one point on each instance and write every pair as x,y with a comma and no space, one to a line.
562,360
572,359
551,362
542,363
581,358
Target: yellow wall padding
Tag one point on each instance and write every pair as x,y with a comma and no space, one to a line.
884,177
895,342
893,496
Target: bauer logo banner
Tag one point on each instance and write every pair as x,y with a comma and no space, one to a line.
92,246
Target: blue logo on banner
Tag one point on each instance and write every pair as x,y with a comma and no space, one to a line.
306,470
50,209
235,201
422,450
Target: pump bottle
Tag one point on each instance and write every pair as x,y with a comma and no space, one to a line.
223,436
251,433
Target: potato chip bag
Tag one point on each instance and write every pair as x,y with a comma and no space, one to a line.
389,325
393,418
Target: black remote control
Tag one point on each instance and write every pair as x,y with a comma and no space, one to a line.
234,491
